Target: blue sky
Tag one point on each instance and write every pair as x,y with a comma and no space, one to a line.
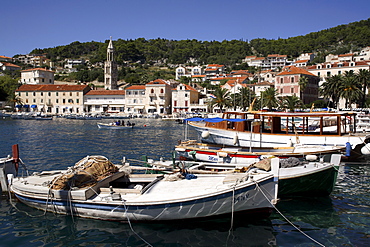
30,24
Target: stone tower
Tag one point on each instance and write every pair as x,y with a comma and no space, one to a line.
110,68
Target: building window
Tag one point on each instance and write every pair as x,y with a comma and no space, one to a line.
281,90
152,91
292,79
328,74
49,93
34,100
26,93
57,101
57,94
70,93
292,90
162,90
42,94
339,72
175,103
64,101
186,103
281,80
77,101
34,93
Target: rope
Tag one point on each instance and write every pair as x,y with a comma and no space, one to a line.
129,223
313,240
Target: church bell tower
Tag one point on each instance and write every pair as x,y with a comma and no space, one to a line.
110,69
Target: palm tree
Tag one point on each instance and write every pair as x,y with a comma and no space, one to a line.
244,97
222,99
363,77
330,89
291,102
350,89
303,81
269,98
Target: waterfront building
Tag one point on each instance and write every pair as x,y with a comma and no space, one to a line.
135,99
287,84
37,76
53,99
185,99
158,98
104,101
110,68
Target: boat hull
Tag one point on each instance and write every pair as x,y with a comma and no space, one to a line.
315,182
165,200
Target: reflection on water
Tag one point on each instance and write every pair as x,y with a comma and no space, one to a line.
24,226
342,219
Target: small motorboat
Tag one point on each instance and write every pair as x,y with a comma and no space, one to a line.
115,125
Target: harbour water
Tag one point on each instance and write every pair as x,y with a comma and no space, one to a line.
343,219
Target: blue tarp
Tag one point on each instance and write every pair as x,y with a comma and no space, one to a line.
214,120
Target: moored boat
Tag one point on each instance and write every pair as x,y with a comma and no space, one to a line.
241,155
296,177
282,129
95,188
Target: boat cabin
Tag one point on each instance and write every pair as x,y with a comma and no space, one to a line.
303,123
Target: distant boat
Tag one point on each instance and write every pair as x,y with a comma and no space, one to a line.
95,188
114,126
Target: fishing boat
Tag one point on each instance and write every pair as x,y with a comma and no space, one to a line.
282,129
96,188
296,177
241,155
115,126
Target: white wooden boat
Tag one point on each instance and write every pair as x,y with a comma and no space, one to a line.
282,129
95,188
114,126
240,155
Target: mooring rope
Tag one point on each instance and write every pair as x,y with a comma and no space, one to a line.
129,223
305,234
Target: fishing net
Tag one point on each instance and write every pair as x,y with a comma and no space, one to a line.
85,173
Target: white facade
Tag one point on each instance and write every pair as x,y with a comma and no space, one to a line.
37,76
109,101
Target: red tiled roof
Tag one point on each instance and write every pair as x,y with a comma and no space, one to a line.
5,57
106,92
136,87
301,61
43,87
346,55
292,70
42,69
157,81
10,65
276,55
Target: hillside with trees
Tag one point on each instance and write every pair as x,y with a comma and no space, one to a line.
336,40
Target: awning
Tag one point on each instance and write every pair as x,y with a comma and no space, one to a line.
214,120
26,106
139,107
33,106
18,106
152,108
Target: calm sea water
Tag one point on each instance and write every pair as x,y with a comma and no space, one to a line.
343,219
